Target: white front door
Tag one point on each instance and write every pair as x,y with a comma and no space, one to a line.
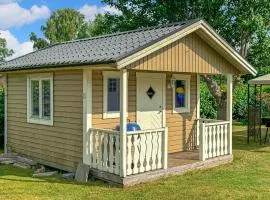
150,100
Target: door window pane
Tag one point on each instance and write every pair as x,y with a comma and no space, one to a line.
46,99
35,98
113,94
180,93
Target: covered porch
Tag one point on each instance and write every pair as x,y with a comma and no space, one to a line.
131,157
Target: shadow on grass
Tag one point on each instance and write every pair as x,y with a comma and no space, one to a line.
240,142
15,174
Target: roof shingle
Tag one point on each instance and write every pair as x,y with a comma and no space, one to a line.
95,50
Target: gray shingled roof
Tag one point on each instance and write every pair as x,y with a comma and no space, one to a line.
95,50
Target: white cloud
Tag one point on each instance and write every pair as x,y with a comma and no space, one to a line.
90,11
13,15
13,43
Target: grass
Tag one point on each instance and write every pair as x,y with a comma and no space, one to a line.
248,177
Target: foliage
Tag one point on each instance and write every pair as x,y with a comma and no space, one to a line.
63,25
208,103
240,104
4,51
266,101
244,24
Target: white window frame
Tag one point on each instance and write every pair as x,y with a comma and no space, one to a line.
185,78
106,75
39,77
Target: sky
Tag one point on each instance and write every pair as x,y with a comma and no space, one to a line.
18,18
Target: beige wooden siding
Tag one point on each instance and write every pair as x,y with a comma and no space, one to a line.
59,145
189,54
181,126
98,121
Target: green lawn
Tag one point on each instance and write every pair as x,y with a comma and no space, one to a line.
248,177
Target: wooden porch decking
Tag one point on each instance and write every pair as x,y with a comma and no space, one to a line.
182,158
178,163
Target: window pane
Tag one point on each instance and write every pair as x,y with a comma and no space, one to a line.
46,99
113,94
180,93
35,98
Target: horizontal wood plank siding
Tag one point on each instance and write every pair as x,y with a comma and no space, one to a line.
181,126
189,55
59,145
98,121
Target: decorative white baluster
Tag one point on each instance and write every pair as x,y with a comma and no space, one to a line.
154,152
225,139
218,140
159,150
94,149
214,141
142,153
222,140
148,150
111,155
129,154
105,154
136,156
100,153
117,154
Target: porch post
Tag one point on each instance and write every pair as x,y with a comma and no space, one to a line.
198,109
229,110
123,121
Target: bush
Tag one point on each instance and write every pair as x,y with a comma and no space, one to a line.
240,102
208,103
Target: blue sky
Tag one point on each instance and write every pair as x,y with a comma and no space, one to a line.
20,17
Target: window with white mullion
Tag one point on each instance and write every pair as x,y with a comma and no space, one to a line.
40,99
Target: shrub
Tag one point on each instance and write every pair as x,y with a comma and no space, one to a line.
208,103
240,102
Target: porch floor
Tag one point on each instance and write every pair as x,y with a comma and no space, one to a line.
183,158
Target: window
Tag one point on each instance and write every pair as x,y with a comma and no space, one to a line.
181,93
40,99
111,94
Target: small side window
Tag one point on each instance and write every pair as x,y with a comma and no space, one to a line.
181,94
113,95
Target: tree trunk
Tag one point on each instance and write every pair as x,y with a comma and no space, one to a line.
222,110
219,95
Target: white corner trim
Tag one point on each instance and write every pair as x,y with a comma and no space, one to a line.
6,110
106,75
202,25
40,120
87,113
187,79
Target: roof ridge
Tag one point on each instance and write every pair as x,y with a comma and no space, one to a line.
129,31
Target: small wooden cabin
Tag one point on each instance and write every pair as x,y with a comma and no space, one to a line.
65,101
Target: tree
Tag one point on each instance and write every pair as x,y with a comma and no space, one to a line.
4,51
63,25
244,24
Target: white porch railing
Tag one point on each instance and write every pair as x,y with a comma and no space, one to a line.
146,150
104,150
214,138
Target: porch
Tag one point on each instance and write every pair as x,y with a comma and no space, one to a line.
147,158
130,157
